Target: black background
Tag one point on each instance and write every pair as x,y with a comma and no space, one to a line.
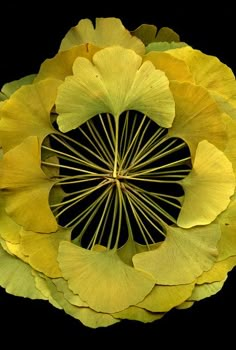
32,32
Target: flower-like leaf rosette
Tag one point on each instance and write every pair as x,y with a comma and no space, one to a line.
118,175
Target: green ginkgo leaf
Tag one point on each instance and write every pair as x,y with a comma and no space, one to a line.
17,278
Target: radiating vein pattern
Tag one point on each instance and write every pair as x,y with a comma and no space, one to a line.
117,180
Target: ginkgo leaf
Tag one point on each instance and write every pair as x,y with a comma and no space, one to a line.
164,46
16,277
227,244
165,298
206,290
218,272
138,314
117,284
42,249
107,32
209,71
148,33
27,188
27,113
42,286
115,81
74,299
183,256
207,192
60,66
192,119
87,316
10,231
174,68
9,88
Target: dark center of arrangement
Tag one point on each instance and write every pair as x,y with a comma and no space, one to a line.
116,185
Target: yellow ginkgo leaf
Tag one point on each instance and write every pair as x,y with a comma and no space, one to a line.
165,298
138,314
182,257
15,249
108,31
227,244
117,285
174,68
230,149
27,113
60,66
74,299
87,316
26,187
195,110
114,82
42,249
210,72
10,231
9,88
207,192
42,286
206,290
218,272
16,277
185,305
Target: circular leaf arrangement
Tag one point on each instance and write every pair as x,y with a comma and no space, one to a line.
118,175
